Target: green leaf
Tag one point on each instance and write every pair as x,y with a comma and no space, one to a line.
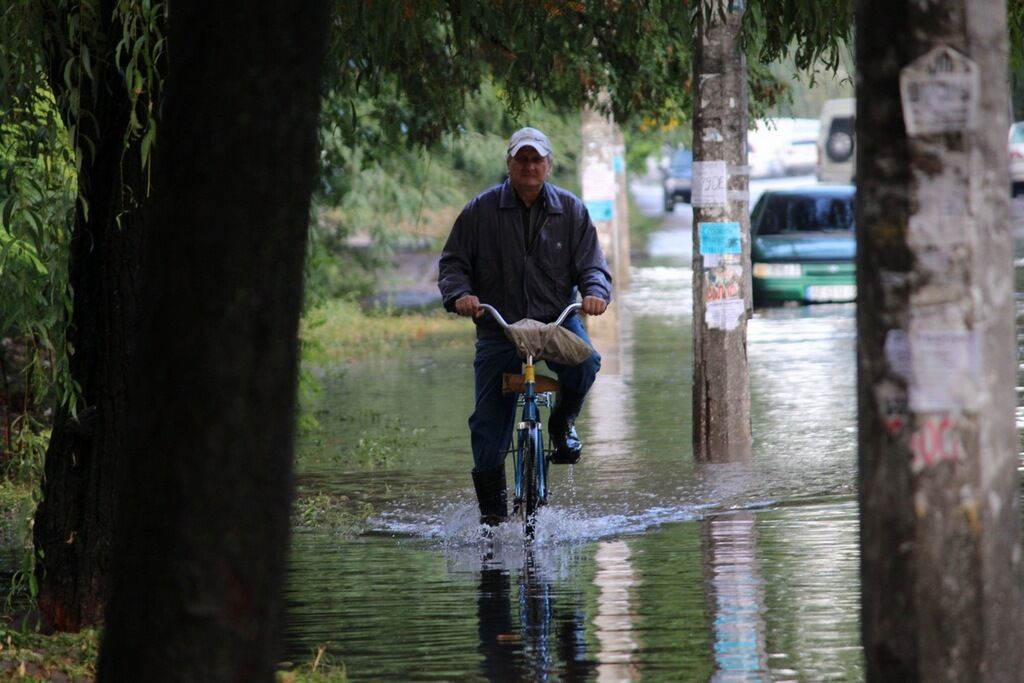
37,222
147,142
68,71
7,209
86,61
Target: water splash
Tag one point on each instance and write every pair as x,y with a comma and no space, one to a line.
458,526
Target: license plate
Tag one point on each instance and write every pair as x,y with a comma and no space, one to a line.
832,292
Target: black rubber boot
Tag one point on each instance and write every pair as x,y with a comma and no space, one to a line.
562,428
491,495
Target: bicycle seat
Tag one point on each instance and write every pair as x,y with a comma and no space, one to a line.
512,383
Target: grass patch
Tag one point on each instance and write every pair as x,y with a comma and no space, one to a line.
340,514
323,669
384,440
72,656
30,656
340,330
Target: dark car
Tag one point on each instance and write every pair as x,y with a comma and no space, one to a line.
803,245
678,179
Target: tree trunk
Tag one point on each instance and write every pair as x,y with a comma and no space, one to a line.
721,240
939,496
74,523
200,557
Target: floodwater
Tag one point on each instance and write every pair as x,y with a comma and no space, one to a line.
646,565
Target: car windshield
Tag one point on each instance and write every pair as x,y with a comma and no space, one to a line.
1017,133
785,213
682,161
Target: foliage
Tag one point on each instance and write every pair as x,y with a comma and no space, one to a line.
1015,25
36,210
811,32
561,52
55,60
807,90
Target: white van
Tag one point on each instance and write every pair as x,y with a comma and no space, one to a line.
837,142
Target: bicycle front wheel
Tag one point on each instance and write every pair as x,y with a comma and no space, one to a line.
533,494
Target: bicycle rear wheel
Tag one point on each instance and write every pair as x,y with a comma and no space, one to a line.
533,496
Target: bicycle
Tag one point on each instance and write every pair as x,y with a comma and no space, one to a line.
530,454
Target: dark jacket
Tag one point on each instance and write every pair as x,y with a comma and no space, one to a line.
486,256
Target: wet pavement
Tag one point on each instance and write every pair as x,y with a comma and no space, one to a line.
646,565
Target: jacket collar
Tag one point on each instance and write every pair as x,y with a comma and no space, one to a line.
508,200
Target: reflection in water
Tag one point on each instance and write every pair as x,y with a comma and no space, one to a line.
549,641
609,412
498,644
614,621
729,544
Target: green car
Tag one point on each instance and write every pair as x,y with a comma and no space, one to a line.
803,245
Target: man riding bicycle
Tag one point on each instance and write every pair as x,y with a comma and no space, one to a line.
526,247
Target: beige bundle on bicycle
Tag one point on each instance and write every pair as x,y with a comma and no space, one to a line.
548,341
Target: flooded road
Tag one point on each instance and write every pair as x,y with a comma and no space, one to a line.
646,565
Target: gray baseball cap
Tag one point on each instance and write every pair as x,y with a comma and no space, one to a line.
529,137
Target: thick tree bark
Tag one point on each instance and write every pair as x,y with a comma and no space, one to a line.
74,523
721,241
200,558
939,492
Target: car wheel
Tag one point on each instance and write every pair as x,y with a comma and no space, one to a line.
839,146
670,205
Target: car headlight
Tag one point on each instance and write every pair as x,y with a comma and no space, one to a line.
765,270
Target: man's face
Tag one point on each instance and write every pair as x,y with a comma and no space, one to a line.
528,170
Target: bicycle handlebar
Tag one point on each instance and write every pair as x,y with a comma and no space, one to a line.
501,321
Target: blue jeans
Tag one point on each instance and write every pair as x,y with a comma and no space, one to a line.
490,425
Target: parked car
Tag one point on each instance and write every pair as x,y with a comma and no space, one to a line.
837,141
763,157
799,155
803,245
678,180
1016,150
766,140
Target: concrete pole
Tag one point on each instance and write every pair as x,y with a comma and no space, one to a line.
603,183
939,491
721,239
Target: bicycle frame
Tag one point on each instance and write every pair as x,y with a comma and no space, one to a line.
530,437
530,460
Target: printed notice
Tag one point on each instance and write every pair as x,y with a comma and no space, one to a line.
598,182
709,183
723,291
719,238
939,93
942,366
723,315
600,209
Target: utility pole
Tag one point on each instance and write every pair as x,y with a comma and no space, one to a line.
939,491
603,182
721,238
